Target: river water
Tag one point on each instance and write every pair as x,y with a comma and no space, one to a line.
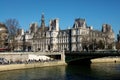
94,71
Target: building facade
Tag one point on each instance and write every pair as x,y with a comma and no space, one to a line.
24,39
79,37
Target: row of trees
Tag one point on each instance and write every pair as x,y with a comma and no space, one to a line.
99,45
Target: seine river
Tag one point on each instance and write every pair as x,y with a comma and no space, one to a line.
94,71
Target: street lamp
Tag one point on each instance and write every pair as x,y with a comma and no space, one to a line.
24,46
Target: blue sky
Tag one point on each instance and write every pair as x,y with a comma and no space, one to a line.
96,12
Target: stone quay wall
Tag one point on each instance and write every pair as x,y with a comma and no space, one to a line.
24,56
10,56
106,59
31,65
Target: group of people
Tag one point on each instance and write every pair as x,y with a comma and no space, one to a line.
4,61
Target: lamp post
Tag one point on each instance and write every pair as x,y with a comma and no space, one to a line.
24,46
69,39
118,37
93,44
104,43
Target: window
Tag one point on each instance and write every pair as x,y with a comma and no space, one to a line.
73,32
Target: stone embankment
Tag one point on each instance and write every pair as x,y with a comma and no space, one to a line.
106,59
7,67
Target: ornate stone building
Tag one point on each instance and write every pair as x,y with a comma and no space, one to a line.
25,38
79,37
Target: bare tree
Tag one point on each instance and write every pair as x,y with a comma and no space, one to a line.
13,26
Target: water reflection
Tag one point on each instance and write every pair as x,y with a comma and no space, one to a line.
106,71
47,73
78,72
97,71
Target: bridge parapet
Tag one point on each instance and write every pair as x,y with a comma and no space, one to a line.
75,56
92,52
41,53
